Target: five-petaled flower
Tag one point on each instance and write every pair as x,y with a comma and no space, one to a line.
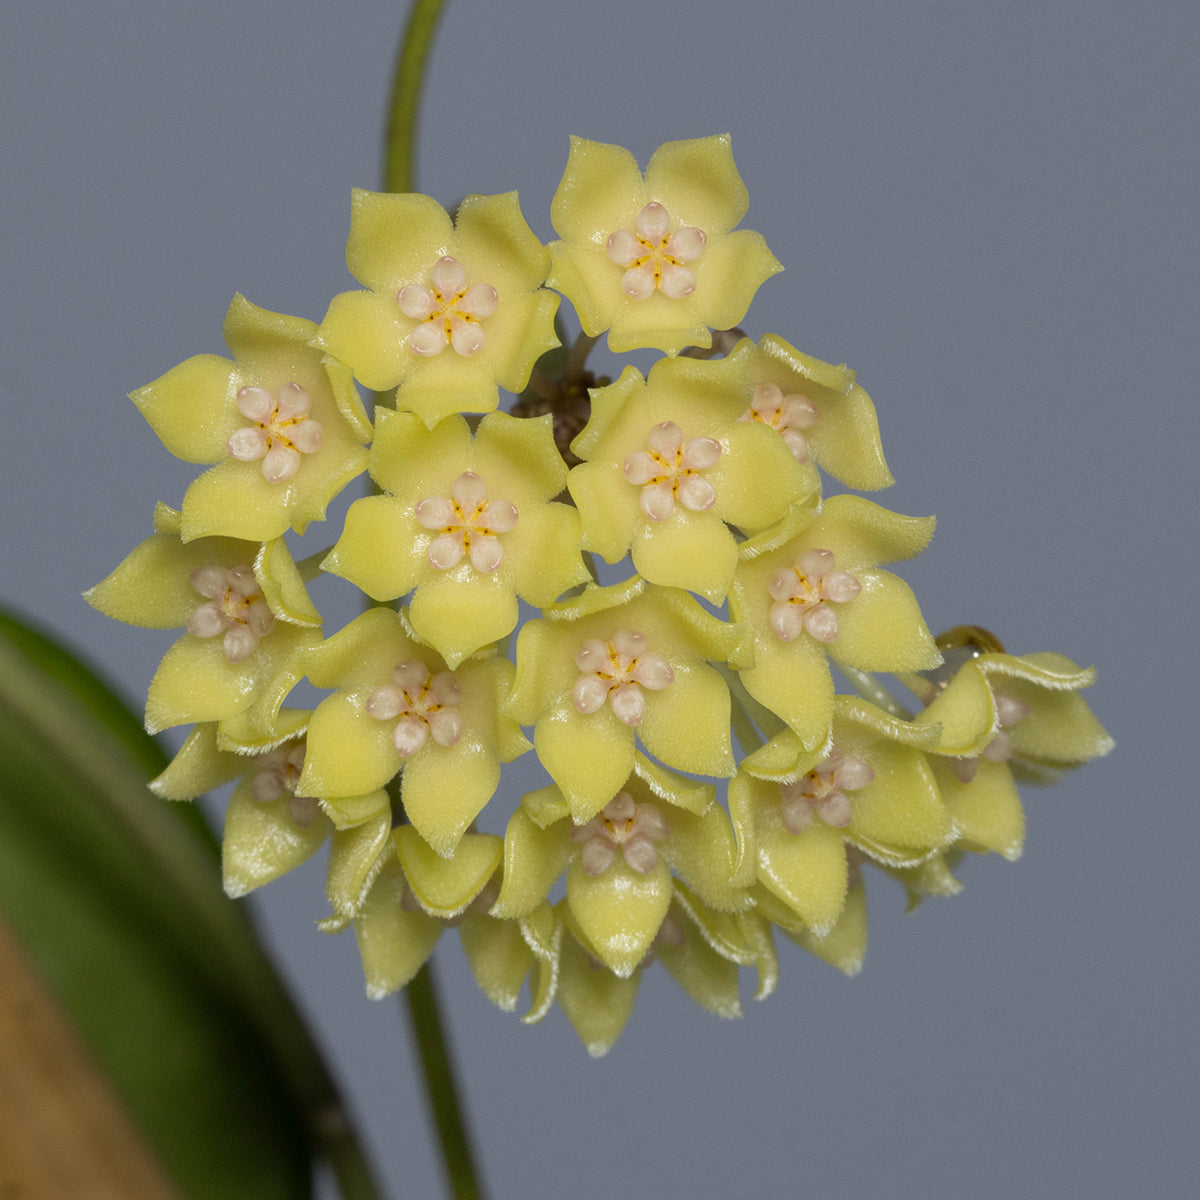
617,663
655,260
619,864
793,835
670,470
282,423
247,615
1003,717
388,714
819,410
452,311
469,522
810,590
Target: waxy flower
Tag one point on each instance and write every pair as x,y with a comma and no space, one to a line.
619,864
397,708
670,467
419,895
282,423
700,948
844,946
818,410
818,594
797,811
1001,717
454,309
704,473
468,522
268,828
656,260
247,614
618,663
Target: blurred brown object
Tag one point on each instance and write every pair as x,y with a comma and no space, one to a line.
64,1132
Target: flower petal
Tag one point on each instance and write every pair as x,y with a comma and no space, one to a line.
458,616
367,331
882,628
757,479
263,842
700,849
708,978
692,550
446,788
544,560
845,439
608,508
701,181
196,682
445,886
686,726
792,679
588,755
619,910
845,945
966,712
191,407
355,856
987,811
395,238
601,190
898,817
393,940
806,870
534,858
376,549
598,1003
498,956
350,753
491,232
728,274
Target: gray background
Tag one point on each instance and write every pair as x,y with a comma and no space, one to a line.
989,211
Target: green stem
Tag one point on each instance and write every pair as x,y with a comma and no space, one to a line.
747,735
399,148
440,1087
577,357
870,688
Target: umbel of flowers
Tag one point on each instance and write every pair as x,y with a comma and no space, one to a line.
704,784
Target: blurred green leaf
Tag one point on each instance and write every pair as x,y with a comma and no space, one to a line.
117,896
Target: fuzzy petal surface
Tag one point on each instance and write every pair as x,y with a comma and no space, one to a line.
498,956
845,438
987,812
263,842
708,978
619,910
393,940
700,176
589,756
189,407
691,732
445,886
355,857
845,946
598,1003
602,193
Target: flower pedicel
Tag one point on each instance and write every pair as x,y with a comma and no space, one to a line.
708,785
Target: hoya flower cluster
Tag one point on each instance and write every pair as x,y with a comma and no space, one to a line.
706,787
